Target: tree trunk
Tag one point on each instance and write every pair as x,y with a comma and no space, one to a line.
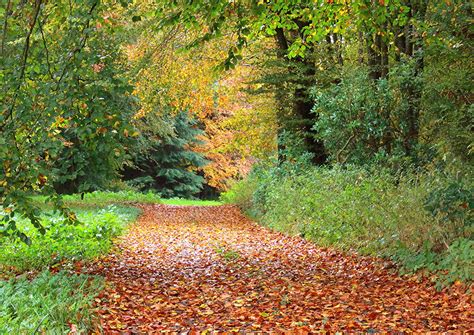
413,90
280,96
374,57
302,104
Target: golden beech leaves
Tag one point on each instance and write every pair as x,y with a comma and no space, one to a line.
238,127
204,269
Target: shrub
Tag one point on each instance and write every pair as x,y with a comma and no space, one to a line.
452,202
242,193
87,239
408,217
454,263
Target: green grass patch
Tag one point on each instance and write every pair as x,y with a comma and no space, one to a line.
90,237
104,198
190,202
48,304
228,254
59,303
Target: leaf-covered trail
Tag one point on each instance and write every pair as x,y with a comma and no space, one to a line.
196,268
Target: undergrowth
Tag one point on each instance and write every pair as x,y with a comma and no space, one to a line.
90,237
421,221
48,304
56,303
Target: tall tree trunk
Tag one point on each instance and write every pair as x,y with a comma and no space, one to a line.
360,49
374,57
378,62
302,104
384,54
338,40
413,89
280,95
5,27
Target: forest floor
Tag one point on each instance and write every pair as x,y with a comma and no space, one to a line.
196,268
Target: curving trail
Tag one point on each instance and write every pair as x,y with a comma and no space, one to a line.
189,269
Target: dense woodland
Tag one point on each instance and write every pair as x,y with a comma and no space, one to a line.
349,123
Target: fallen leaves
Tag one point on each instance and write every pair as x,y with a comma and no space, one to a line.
177,270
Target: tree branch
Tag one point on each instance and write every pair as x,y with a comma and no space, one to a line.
46,50
24,58
78,48
5,26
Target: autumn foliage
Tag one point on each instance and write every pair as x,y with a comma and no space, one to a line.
238,126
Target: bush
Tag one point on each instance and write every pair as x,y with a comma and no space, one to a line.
48,304
59,303
362,121
452,202
454,263
369,210
242,193
87,239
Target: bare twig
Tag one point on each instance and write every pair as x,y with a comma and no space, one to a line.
8,12
5,26
338,155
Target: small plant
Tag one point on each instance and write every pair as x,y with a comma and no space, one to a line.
452,202
455,263
227,254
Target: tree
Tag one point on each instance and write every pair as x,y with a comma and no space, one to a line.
170,165
317,41
298,27
238,126
64,111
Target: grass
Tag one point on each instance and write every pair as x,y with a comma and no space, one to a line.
189,202
58,303
228,254
89,238
104,198
48,304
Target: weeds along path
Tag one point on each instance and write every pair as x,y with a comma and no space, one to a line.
183,269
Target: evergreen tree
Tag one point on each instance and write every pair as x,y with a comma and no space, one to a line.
170,165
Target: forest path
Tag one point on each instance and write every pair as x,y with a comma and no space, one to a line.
193,268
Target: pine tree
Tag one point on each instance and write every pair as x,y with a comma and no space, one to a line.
170,166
